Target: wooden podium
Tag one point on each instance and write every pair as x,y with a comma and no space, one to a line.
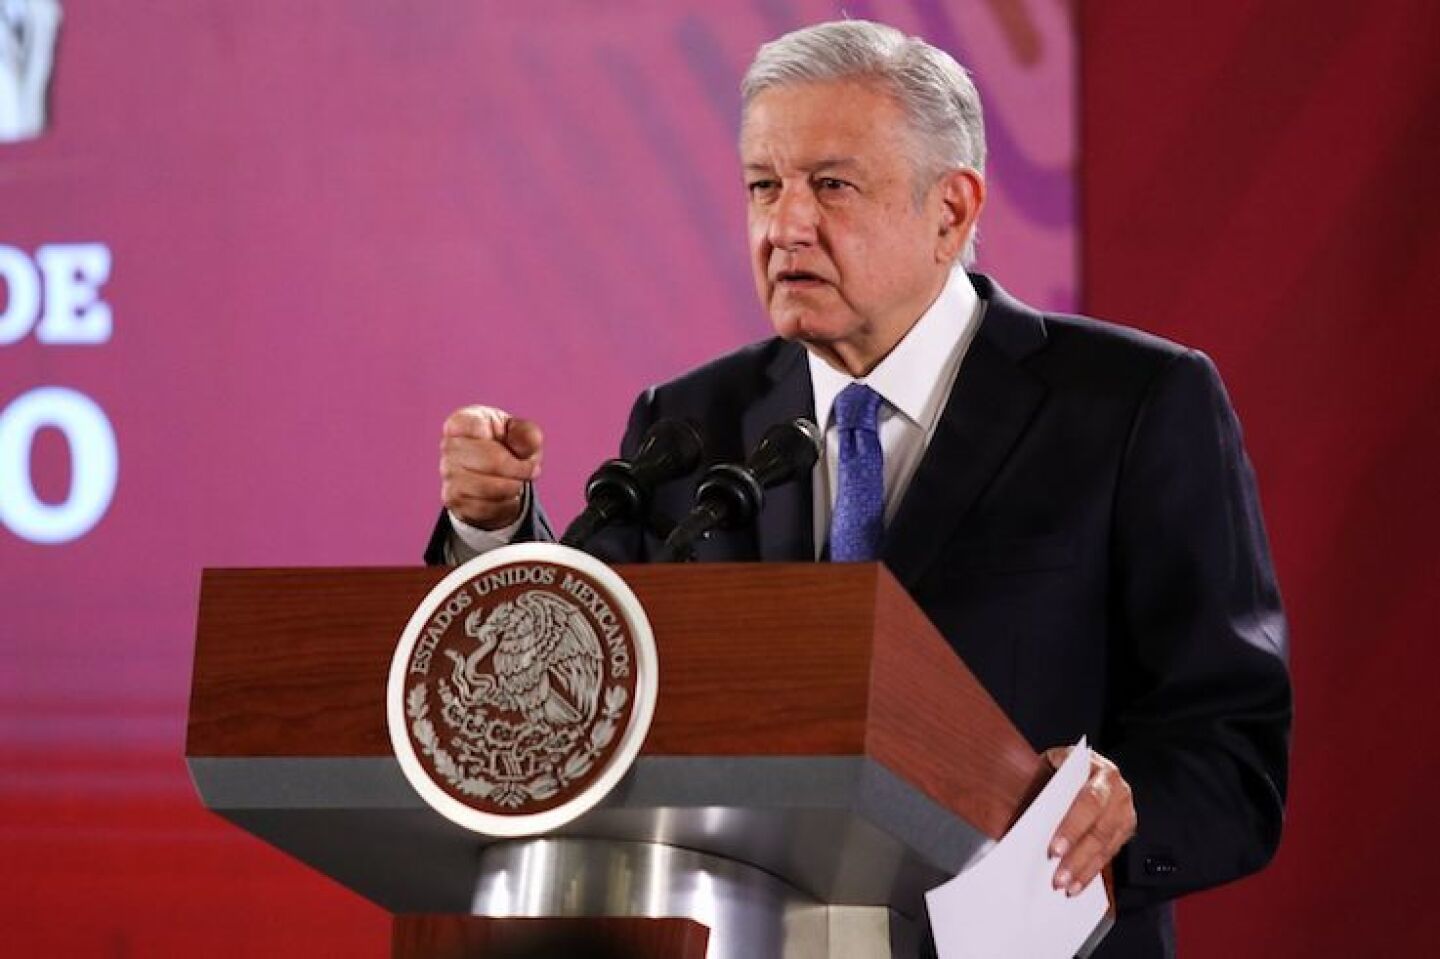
819,757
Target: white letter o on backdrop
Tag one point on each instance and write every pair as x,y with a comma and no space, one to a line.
94,465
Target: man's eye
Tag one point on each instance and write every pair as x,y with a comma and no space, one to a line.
830,184
762,188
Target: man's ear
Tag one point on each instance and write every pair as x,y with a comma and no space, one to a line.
961,194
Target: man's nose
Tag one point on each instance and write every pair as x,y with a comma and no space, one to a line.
794,218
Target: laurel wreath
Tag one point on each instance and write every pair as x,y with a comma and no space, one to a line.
508,794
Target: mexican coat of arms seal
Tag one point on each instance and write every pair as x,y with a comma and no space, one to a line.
521,689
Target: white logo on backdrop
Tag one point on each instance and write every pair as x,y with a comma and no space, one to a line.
56,297
28,29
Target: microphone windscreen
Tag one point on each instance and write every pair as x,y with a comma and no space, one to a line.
787,450
671,449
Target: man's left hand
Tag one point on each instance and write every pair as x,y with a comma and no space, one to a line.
1100,821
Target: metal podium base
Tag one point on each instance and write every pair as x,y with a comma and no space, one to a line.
750,913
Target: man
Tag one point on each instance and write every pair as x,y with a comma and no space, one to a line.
1068,501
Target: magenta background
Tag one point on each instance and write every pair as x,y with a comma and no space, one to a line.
332,223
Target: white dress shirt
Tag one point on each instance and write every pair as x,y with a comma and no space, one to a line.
467,542
914,381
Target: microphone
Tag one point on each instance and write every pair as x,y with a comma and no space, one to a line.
729,496
620,490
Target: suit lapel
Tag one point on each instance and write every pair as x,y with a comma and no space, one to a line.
991,404
785,529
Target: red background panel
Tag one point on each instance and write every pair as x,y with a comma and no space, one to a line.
1258,179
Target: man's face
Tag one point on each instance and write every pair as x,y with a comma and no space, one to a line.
844,257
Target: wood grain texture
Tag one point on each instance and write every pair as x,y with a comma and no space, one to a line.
474,937
932,722
293,662
755,660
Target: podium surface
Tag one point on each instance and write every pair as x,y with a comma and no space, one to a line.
811,724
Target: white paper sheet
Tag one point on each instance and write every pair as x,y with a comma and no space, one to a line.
1005,904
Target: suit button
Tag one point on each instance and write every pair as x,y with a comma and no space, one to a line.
1160,865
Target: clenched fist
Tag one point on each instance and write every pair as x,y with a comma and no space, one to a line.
486,458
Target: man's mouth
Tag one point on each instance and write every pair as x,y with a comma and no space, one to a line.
797,278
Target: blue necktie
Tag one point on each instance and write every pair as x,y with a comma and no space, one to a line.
859,517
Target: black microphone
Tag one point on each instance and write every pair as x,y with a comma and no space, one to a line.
620,490
730,496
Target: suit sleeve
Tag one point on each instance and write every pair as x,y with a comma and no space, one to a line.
534,528
1203,733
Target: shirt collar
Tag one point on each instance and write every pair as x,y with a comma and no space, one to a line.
911,379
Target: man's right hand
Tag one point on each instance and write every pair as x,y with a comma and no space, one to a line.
486,458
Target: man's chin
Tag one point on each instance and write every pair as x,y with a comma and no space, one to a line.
803,325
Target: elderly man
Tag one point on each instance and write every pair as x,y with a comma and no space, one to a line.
1068,501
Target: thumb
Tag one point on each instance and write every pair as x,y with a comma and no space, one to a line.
523,438
1056,756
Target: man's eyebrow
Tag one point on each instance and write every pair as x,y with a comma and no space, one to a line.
825,163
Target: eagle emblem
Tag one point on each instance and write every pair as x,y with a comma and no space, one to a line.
544,662
522,689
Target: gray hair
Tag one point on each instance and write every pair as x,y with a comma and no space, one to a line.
934,90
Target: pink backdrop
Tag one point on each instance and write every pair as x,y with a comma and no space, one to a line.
327,224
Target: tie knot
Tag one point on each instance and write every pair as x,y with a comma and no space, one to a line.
856,408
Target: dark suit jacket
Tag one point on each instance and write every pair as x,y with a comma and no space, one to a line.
1085,532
